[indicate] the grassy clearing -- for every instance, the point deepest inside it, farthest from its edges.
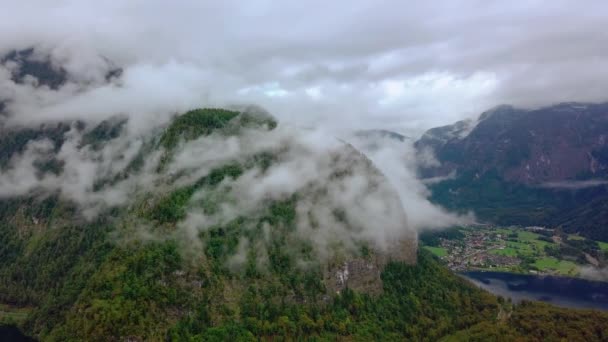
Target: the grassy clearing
(541, 244)
(575, 237)
(522, 248)
(438, 251)
(561, 266)
(504, 231)
(508, 251)
(603, 246)
(9, 314)
(527, 236)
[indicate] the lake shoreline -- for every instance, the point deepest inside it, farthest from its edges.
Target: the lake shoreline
(536, 275)
(557, 290)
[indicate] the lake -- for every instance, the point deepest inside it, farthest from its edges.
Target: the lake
(559, 291)
(13, 334)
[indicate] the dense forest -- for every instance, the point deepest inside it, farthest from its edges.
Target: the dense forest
(65, 278)
(509, 203)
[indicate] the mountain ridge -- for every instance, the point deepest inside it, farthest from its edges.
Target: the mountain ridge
(537, 166)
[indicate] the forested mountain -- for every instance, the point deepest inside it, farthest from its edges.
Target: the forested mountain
(198, 232)
(545, 167)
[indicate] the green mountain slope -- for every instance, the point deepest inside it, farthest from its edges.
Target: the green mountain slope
(194, 237)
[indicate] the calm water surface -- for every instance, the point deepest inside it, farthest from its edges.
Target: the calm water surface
(13, 334)
(559, 291)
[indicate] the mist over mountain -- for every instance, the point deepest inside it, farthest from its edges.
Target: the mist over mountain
(213, 193)
(251, 171)
(226, 225)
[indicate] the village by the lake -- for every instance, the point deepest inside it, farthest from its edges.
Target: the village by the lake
(526, 250)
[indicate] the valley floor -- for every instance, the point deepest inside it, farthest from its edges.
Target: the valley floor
(524, 250)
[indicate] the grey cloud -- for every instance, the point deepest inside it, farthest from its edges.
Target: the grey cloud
(525, 53)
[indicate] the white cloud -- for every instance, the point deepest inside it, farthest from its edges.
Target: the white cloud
(314, 92)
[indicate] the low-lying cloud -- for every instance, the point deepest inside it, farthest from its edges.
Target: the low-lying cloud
(388, 64)
(574, 185)
(398, 161)
(328, 176)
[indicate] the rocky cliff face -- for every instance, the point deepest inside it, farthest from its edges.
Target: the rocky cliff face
(362, 273)
(525, 166)
(563, 142)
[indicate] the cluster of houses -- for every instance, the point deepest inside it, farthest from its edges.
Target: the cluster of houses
(474, 251)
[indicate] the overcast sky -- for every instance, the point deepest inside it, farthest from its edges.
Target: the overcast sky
(401, 65)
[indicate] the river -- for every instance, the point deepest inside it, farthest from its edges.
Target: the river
(559, 291)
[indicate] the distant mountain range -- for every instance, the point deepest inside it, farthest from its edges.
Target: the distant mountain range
(546, 166)
(381, 134)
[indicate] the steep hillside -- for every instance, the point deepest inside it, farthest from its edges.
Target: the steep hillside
(105, 235)
(535, 167)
